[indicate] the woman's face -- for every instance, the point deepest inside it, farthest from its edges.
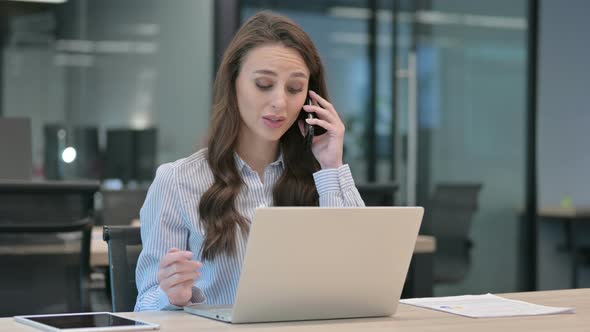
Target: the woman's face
(271, 88)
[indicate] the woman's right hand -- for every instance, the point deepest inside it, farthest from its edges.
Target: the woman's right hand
(177, 275)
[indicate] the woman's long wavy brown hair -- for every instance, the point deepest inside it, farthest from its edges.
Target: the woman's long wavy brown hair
(219, 217)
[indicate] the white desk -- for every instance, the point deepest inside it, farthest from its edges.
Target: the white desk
(407, 318)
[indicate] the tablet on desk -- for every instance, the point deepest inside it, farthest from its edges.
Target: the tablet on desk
(85, 322)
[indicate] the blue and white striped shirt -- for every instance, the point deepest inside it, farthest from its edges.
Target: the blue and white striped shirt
(170, 218)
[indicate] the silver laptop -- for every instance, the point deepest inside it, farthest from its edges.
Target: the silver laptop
(305, 263)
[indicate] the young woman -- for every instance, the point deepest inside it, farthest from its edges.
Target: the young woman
(195, 220)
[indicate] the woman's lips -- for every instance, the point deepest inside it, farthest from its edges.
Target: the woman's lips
(273, 122)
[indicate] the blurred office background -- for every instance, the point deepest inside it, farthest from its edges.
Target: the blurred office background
(439, 98)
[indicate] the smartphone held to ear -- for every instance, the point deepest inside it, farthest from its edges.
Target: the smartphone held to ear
(310, 130)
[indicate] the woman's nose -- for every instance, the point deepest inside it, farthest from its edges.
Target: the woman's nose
(279, 100)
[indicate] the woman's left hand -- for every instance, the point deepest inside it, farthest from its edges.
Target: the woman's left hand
(326, 148)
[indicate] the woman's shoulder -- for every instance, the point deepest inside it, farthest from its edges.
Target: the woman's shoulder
(197, 159)
(192, 168)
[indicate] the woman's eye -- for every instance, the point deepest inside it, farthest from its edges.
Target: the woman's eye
(294, 90)
(264, 86)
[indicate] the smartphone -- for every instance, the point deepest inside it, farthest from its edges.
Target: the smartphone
(310, 130)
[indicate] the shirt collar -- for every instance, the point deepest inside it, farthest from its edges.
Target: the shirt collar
(279, 161)
(240, 163)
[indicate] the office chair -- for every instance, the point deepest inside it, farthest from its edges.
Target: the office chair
(46, 267)
(45, 229)
(579, 249)
(582, 259)
(124, 249)
(378, 194)
(448, 217)
(121, 207)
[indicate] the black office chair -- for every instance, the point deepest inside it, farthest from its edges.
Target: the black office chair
(121, 207)
(124, 249)
(378, 193)
(448, 218)
(46, 269)
(582, 259)
(576, 230)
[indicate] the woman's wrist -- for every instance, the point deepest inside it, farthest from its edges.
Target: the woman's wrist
(329, 165)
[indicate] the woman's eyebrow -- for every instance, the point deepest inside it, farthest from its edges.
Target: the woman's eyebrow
(272, 73)
(298, 74)
(265, 72)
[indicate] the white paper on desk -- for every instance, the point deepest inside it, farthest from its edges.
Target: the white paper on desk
(488, 305)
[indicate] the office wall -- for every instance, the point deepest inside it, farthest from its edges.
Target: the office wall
(475, 129)
(564, 111)
(149, 63)
(564, 122)
(168, 84)
(32, 86)
(563, 160)
(164, 81)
